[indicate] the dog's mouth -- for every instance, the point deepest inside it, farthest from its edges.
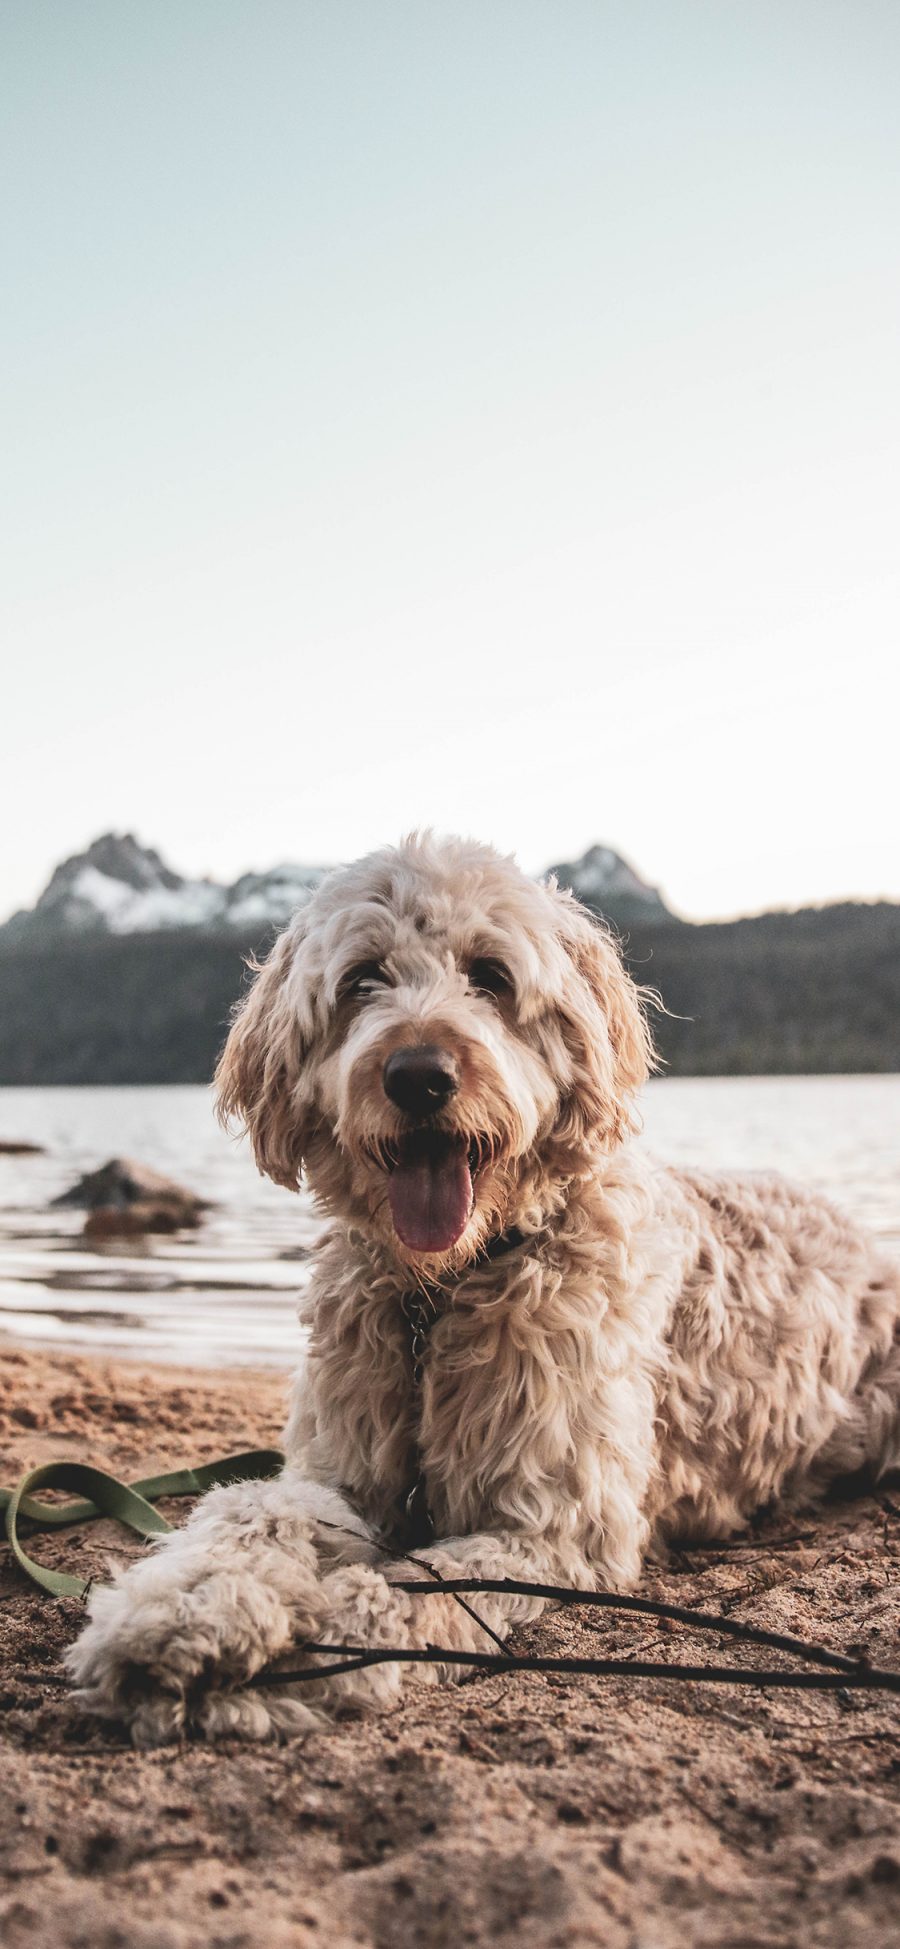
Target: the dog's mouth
(431, 1188)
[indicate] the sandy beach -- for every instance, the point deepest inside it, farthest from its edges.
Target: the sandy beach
(529, 1810)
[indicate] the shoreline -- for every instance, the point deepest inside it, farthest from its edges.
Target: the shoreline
(122, 1412)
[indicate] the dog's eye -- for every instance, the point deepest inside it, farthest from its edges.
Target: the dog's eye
(363, 980)
(490, 978)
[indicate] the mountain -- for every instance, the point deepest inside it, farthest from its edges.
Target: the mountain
(119, 886)
(604, 881)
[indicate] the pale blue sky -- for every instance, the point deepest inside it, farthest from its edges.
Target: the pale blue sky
(478, 414)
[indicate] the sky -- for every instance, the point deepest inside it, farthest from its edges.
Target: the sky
(480, 415)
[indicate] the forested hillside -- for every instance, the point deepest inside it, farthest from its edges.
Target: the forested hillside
(812, 991)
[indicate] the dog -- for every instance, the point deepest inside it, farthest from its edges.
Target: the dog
(533, 1351)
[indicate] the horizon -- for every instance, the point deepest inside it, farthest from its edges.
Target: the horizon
(307, 863)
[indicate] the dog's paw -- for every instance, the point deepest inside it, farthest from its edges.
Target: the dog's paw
(160, 1717)
(256, 1715)
(202, 1613)
(361, 1611)
(156, 1646)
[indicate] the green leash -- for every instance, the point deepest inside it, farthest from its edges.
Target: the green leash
(105, 1495)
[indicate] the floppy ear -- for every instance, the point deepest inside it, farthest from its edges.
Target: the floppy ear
(259, 1073)
(605, 1030)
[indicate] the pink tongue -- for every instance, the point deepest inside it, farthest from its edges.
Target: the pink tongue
(430, 1193)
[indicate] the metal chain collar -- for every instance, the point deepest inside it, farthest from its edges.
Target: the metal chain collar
(420, 1310)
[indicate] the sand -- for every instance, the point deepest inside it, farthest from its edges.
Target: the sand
(527, 1810)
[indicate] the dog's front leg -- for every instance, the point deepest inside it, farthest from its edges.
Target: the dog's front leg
(365, 1607)
(212, 1603)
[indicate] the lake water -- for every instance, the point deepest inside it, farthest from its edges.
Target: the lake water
(228, 1292)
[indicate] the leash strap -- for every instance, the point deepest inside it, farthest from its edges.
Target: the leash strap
(104, 1495)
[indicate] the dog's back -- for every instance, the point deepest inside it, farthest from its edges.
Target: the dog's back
(784, 1360)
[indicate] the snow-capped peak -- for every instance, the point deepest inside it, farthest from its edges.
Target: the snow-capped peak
(119, 886)
(606, 882)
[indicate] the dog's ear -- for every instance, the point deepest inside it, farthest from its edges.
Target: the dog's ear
(605, 1030)
(259, 1077)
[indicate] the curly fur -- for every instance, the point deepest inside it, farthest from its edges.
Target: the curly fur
(660, 1355)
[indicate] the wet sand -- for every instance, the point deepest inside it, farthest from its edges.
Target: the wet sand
(634, 1814)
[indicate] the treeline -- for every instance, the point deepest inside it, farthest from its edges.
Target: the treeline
(810, 993)
(816, 991)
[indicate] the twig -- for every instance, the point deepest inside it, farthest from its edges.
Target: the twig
(723, 1544)
(648, 1607)
(404, 1556)
(354, 1658)
(843, 1673)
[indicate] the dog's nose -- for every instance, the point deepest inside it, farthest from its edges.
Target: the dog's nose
(420, 1080)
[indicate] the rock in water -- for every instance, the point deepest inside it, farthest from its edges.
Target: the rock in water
(133, 1221)
(125, 1198)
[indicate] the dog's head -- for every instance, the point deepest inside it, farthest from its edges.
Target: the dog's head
(439, 1041)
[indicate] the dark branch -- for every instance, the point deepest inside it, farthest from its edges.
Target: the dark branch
(646, 1607)
(354, 1658)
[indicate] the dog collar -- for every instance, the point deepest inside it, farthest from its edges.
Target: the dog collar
(421, 1305)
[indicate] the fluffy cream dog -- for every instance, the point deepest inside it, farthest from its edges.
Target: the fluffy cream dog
(618, 1351)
